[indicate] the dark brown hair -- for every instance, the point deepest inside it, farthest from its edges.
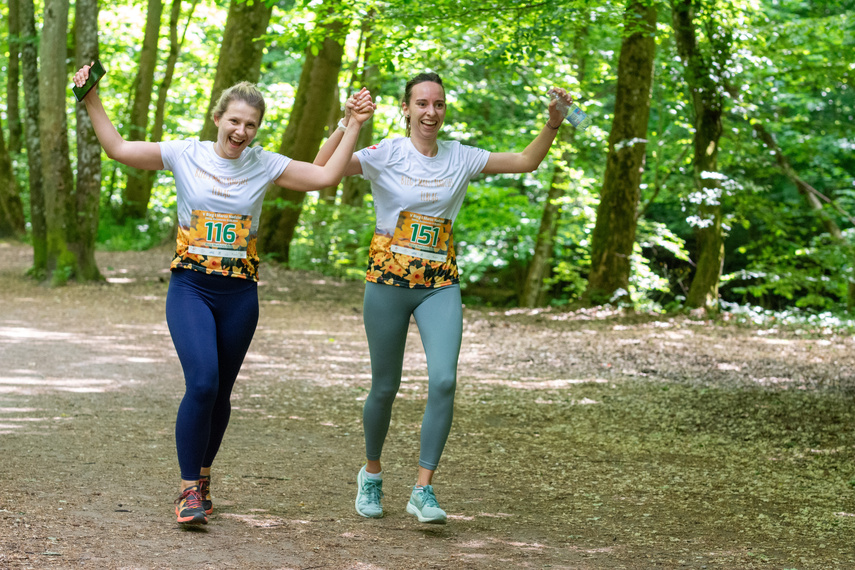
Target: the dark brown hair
(408, 90)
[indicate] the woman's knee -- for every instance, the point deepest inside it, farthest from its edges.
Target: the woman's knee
(383, 395)
(442, 385)
(203, 389)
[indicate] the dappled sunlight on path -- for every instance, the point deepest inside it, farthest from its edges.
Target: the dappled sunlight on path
(586, 440)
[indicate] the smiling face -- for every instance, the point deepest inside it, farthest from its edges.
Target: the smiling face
(236, 128)
(426, 110)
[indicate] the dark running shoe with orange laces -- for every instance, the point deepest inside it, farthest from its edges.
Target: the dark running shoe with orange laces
(205, 493)
(188, 507)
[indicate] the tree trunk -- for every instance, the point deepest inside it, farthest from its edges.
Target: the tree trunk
(614, 233)
(541, 261)
(13, 113)
(30, 68)
(61, 263)
(354, 188)
(328, 194)
(707, 104)
(83, 232)
(240, 53)
(533, 293)
(137, 193)
(11, 210)
(163, 90)
(303, 136)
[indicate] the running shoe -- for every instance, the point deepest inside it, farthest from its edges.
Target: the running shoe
(188, 507)
(423, 504)
(368, 495)
(205, 493)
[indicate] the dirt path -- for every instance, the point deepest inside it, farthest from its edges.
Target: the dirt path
(580, 441)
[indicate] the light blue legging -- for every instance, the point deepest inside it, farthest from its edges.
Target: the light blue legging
(439, 316)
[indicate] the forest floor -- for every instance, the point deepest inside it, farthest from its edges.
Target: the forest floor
(582, 440)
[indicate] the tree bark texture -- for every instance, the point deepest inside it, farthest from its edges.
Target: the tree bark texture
(175, 45)
(137, 192)
(11, 209)
(83, 232)
(61, 263)
(541, 261)
(614, 233)
(302, 138)
(30, 68)
(328, 194)
(240, 53)
(707, 105)
(13, 112)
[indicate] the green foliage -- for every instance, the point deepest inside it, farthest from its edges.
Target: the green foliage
(787, 64)
(332, 240)
(813, 277)
(656, 275)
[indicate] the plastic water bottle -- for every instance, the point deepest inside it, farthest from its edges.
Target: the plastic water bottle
(573, 113)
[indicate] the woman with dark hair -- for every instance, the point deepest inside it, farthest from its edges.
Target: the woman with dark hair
(418, 184)
(212, 301)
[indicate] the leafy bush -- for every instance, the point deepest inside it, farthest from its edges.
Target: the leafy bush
(816, 277)
(333, 239)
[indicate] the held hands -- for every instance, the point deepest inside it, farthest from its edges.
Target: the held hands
(359, 107)
(558, 106)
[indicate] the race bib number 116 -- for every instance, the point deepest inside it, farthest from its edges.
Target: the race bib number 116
(219, 235)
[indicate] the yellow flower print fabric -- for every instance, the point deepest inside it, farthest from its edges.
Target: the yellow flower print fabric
(389, 268)
(416, 200)
(219, 205)
(217, 243)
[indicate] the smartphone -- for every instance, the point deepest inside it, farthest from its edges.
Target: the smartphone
(96, 72)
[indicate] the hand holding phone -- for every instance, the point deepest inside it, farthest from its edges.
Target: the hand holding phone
(96, 72)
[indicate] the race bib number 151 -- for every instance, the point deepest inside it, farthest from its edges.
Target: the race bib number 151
(219, 235)
(422, 236)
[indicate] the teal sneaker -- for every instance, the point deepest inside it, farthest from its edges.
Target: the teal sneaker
(423, 504)
(368, 495)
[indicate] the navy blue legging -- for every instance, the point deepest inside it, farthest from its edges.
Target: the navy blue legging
(439, 316)
(211, 319)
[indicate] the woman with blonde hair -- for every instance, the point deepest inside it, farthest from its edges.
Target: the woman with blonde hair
(212, 301)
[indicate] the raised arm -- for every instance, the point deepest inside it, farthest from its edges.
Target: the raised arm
(360, 99)
(305, 177)
(530, 158)
(137, 154)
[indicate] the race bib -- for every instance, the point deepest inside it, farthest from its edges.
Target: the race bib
(219, 235)
(425, 237)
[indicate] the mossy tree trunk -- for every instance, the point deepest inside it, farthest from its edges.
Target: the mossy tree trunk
(136, 195)
(303, 135)
(30, 68)
(614, 233)
(240, 53)
(706, 97)
(60, 262)
(533, 292)
(83, 231)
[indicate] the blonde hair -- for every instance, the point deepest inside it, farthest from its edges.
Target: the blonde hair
(244, 91)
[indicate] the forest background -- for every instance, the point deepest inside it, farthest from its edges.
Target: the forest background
(718, 174)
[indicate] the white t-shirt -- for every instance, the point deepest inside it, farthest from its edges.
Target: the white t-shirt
(219, 205)
(416, 199)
